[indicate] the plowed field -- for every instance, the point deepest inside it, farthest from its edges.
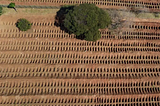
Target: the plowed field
(46, 66)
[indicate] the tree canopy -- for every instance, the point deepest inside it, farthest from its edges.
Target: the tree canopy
(11, 5)
(84, 20)
(23, 24)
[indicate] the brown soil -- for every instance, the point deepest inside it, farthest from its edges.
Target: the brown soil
(30, 65)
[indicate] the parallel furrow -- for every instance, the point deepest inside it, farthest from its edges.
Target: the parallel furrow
(99, 46)
(77, 58)
(132, 100)
(149, 32)
(78, 87)
(80, 72)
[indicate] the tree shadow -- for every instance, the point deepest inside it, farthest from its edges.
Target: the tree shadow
(16, 24)
(15, 9)
(60, 16)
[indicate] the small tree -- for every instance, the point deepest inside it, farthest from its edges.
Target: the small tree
(23, 24)
(12, 5)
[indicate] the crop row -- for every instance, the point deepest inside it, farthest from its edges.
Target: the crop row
(99, 46)
(70, 87)
(140, 100)
(63, 72)
(69, 58)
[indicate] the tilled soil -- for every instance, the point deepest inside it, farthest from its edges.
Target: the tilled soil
(47, 66)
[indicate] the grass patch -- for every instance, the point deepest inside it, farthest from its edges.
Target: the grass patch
(7, 11)
(33, 11)
(40, 11)
(143, 15)
(157, 15)
(146, 15)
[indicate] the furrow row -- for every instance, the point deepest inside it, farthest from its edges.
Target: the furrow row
(63, 100)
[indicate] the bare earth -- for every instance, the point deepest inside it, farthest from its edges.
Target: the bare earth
(47, 66)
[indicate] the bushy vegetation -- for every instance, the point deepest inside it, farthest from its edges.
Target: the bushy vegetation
(84, 20)
(23, 24)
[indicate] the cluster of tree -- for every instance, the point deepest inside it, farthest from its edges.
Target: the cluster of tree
(22, 24)
(84, 20)
(11, 5)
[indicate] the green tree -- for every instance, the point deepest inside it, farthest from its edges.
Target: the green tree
(12, 5)
(1, 10)
(23, 24)
(84, 21)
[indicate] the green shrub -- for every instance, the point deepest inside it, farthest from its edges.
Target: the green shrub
(23, 24)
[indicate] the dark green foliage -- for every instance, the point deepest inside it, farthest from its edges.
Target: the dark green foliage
(85, 20)
(1, 10)
(92, 35)
(23, 24)
(11, 5)
(61, 14)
